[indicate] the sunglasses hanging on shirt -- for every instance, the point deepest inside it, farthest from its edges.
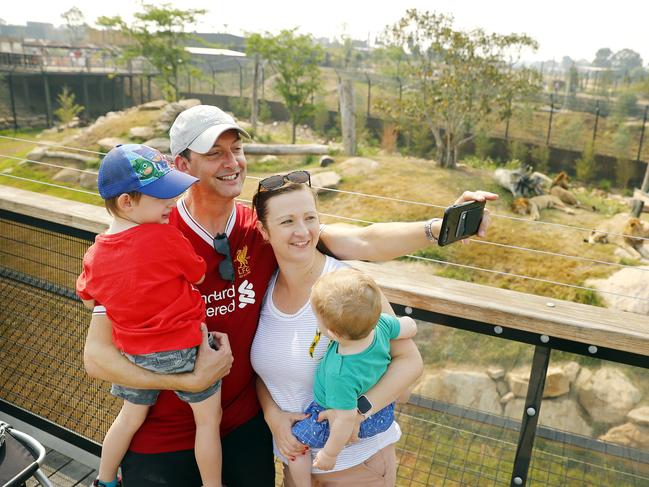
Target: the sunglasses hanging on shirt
(222, 246)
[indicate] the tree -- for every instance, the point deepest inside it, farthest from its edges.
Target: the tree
(603, 58)
(626, 60)
(158, 34)
(456, 81)
(254, 48)
(68, 108)
(295, 58)
(76, 24)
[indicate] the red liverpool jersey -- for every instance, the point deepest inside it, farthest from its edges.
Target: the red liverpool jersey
(232, 308)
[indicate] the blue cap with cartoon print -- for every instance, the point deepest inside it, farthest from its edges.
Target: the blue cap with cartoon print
(137, 167)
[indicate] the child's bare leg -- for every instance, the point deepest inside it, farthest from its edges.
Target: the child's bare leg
(118, 438)
(207, 446)
(300, 470)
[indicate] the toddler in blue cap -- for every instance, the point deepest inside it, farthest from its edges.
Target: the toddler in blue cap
(141, 274)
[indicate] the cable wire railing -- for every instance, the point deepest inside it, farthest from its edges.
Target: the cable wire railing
(420, 258)
(456, 449)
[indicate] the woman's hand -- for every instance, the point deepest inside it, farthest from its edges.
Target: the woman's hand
(211, 365)
(280, 424)
(479, 196)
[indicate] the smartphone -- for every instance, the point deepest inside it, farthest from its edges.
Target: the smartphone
(461, 221)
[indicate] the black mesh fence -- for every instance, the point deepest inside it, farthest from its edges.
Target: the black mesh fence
(43, 327)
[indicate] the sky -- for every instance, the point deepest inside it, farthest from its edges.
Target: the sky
(562, 27)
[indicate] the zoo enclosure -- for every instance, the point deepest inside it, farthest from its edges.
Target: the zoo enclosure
(42, 381)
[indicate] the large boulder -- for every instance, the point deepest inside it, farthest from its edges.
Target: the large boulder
(141, 133)
(465, 388)
(67, 176)
(169, 113)
(608, 395)
(69, 159)
(153, 105)
(639, 416)
(108, 143)
(326, 161)
(159, 143)
(325, 179)
(557, 382)
(188, 103)
(358, 166)
(562, 413)
(628, 434)
(88, 180)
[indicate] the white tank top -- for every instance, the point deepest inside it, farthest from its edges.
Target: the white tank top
(280, 356)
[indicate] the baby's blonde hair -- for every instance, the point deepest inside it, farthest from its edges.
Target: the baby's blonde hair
(348, 302)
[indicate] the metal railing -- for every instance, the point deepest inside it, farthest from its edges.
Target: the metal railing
(42, 381)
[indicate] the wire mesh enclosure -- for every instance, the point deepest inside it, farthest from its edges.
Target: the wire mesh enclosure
(43, 327)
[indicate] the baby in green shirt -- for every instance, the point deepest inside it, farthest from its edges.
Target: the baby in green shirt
(347, 305)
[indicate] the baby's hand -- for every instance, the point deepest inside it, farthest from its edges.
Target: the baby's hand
(324, 461)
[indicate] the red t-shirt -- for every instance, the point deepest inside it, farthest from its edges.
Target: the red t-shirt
(231, 308)
(143, 277)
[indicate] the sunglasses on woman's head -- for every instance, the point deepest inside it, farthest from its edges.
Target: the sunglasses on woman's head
(222, 246)
(278, 180)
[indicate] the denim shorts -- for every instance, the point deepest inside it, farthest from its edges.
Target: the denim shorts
(171, 362)
(309, 432)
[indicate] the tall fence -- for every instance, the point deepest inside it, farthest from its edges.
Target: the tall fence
(559, 119)
(478, 435)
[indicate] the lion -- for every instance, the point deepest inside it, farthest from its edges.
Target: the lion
(562, 180)
(533, 206)
(561, 189)
(628, 233)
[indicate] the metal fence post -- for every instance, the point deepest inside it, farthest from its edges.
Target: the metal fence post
(596, 121)
(530, 415)
(547, 141)
(369, 93)
(13, 100)
(644, 122)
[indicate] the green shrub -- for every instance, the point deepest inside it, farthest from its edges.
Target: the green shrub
(604, 184)
(541, 157)
(624, 169)
(320, 118)
(240, 107)
(626, 105)
(483, 146)
(68, 108)
(585, 165)
(518, 150)
(265, 113)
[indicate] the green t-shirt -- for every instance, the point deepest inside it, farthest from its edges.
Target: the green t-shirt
(340, 379)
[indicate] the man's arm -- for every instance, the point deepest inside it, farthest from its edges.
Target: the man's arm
(103, 361)
(386, 241)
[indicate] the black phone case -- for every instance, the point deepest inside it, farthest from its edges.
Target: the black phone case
(460, 221)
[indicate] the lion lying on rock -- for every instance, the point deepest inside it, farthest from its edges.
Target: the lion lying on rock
(533, 206)
(626, 232)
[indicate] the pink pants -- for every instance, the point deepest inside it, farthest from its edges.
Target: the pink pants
(380, 470)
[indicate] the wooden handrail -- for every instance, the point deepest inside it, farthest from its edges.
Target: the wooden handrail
(591, 325)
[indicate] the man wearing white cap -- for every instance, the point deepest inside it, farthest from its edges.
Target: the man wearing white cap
(206, 143)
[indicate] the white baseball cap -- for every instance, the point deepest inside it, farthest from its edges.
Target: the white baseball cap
(198, 127)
